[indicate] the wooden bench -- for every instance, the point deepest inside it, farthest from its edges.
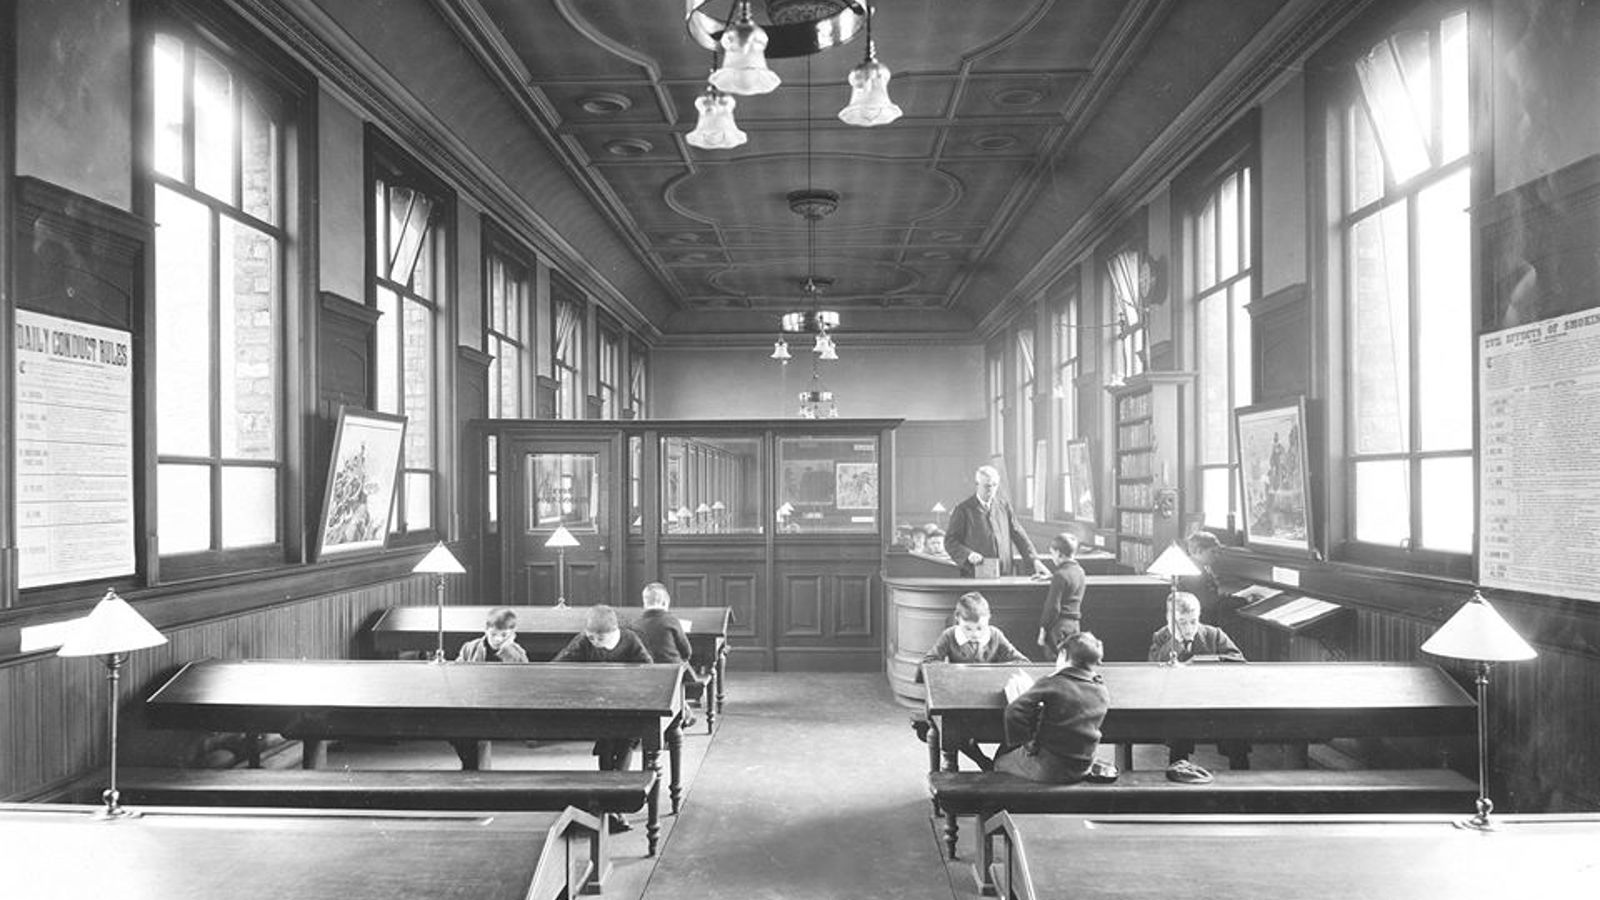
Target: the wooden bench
(982, 794)
(595, 793)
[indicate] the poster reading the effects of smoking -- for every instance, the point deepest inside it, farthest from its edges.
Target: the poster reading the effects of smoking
(1539, 465)
(74, 429)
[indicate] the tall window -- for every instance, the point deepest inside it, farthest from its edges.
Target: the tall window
(568, 347)
(1025, 395)
(1064, 349)
(609, 376)
(1218, 235)
(508, 296)
(638, 376)
(997, 401)
(1403, 232)
(408, 285)
(217, 179)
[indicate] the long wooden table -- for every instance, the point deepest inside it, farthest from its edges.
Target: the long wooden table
(1265, 702)
(544, 630)
(54, 852)
(317, 700)
(1388, 857)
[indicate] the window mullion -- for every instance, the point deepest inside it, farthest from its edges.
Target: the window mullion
(214, 353)
(188, 113)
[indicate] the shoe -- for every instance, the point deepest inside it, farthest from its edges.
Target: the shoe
(1186, 772)
(616, 824)
(1101, 773)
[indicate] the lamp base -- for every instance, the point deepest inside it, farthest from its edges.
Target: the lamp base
(1477, 823)
(113, 810)
(438, 657)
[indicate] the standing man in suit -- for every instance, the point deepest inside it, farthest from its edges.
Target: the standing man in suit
(984, 526)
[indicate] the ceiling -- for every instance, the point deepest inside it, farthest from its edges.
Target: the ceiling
(1019, 115)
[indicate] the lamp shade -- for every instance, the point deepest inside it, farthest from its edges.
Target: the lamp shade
(1476, 632)
(439, 561)
(938, 507)
(869, 95)
(111, 627)
(744, 58)
(561, 539)
(715, 129)
(1173, 563)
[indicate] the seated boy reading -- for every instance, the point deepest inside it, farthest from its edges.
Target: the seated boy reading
(498, 644)
(662, 635)
(973, 640)
(603, 641)
(1053, 724)
(1181, 640)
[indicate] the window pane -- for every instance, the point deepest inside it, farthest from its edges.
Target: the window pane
(388, 357)
(1448, 504)
(167, 105)
(1396, 80)
(1380, 333)
(183, 520)
(827, 484)
(716, 481)
(1454, 111)
(1383, 502)
(259, 156)
(1228, 225)
(249, 506)
(1444, 326)
(1206, 251)
(563, 489)
(422, 277)
(418, 378)
(249, 333)
(1366, 164)
(419, 500)
(1215, 410)
(213, 127)
(1215, 490)
(183, 324)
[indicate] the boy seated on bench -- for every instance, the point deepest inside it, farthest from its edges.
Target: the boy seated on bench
(662, 635)
(1053, 724)
(973, 640)
(1193, 639)
(498, 644)
(603, 641)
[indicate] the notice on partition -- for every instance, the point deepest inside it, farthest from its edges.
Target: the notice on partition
(74, 431)
(1539, 471)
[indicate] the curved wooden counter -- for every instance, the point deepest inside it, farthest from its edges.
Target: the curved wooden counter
(1122, 610)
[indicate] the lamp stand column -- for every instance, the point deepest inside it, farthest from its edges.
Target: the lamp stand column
(438, 650)
(1485, 805)
(113, 799)
(561, 576)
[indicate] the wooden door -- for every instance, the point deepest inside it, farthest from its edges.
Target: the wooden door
(568, 482)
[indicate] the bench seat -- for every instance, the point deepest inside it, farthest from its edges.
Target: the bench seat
(983, 794)
(498, 790)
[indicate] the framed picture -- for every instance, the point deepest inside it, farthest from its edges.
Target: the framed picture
(361, 482)
(1274, 474)
(1080, 482)
(856, 485)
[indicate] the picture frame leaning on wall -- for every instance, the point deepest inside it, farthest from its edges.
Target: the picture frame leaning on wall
(1274, 474)
(359, 496)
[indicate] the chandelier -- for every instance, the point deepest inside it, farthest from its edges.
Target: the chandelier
(795, 28)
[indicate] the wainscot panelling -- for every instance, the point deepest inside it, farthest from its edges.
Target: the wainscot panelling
(54, 710)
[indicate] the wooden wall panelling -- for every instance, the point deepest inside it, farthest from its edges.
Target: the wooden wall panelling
(344, 378)
(800, 606)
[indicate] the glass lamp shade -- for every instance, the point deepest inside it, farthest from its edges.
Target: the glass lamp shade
(1476, 632)
(780, 351)
(1173, 563)
(869, 96)
(112, 626)
(938, 507)
(715, 129)
(439, 561)
(744, 59)
(561, 539)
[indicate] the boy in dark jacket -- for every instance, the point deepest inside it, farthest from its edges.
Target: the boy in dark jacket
(1053, 725)
(602, 641)
(662, 634)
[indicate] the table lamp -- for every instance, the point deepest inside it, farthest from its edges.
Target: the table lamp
(439, 562)
(1173, 564)
(111, 629)
(561, 539)
(1477, 634)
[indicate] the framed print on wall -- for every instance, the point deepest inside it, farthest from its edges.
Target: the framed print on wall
(361, 482)
(1274, 474)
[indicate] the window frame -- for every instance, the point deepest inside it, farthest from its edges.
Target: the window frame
(500, 248)
(1066, 363)
(385, 159)
(609, 341)
(568, 370)
(238, 46)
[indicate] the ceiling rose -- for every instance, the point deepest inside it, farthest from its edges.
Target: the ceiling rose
(604, 103)
(813, 203)
(788, 12)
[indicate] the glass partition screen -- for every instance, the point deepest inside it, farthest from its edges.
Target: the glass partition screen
(710, 485)
(827, 485)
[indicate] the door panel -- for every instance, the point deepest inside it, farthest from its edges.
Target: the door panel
(563, 483)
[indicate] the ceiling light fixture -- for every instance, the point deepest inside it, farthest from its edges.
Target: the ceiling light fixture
(794, 28)
(715, 129)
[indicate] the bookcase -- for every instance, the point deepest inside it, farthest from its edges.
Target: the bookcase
(1149, 414)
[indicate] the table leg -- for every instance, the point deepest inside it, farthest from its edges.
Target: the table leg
(313, 753)
(950, 834)
(674, 761)
(722, 677)
(599, 859)
(952, 760)
(252, 750)
(708, 695)
(933, 745)
(652, 826)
